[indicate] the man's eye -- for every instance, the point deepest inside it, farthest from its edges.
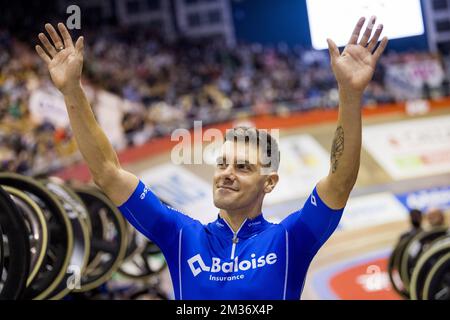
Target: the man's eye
(221, 165)
(242, 166)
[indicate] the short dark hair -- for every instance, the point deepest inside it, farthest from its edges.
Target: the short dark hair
(264, 141)
(415, 216)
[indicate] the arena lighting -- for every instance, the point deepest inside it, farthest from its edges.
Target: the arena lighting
(334, 18)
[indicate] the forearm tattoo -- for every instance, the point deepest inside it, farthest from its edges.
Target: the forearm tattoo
(337, 149)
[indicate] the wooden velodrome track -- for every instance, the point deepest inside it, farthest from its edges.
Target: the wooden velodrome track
(343, 245)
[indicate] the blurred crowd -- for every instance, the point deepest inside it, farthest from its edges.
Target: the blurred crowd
(210, 82)
(25, 144)
(168, 86)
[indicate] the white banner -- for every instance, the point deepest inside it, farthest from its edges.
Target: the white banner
(183, 190)
(48, 105)
(303, 163)
(108, 110)
(371, 210)
(412, 148)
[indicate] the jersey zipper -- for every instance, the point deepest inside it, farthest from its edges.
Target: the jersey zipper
(235, 239)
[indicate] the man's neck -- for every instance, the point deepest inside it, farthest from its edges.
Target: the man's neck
(236, 218)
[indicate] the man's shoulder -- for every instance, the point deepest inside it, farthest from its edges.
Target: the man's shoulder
(184, 217)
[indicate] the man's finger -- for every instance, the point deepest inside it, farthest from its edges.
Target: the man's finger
(356, 31)
(368, 32)
(373, 42)
(377, 54)
(47, 45)
(79, 45)
(43, 54)
(65, 34)
(54, 35)
(333, 49)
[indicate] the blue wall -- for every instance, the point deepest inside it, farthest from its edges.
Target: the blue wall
(273, 21)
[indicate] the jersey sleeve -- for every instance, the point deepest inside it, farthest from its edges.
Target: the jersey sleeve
(155, 220)
(310, 227)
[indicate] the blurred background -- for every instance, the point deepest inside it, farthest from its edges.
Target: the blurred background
(152, 66)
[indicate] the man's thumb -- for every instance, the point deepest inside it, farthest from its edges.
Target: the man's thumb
(79, 45)
(333, 49)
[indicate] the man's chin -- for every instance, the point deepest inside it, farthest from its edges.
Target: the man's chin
(223, 204)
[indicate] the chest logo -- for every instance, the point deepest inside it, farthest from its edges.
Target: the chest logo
(197, 265)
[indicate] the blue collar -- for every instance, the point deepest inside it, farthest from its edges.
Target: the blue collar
(248, 228)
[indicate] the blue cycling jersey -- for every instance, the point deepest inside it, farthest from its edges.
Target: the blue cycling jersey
(261, 260)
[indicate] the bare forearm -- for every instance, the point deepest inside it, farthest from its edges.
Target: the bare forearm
(346, 147)
(353, 69)
(94, 146)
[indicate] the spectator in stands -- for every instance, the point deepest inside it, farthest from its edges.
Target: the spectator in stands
(415, 219)
(435, 217)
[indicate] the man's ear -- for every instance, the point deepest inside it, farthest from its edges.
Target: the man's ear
(271, 182)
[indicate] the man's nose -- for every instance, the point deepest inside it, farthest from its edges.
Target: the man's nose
(228, 173)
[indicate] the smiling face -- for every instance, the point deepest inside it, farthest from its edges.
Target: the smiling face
(238, 180)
